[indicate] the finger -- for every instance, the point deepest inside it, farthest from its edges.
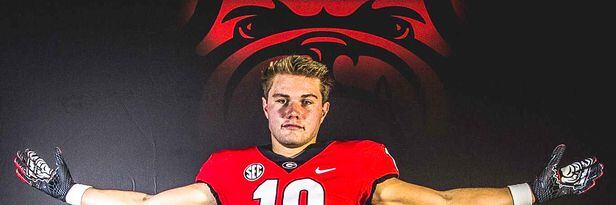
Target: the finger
(18, 154)
(19, 165)
(21, 177)
(26, 159)
(59, 159)
(588, 162)
(19, 169)
(28, 152)
(557, 154)
(24, 171)
(61, 168)
(23, 168)
(21, 156)
(595, 173)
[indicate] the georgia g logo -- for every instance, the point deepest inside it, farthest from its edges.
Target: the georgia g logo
(381, 52)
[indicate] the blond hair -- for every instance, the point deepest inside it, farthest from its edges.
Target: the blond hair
(298, 65)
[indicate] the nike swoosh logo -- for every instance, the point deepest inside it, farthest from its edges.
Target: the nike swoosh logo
(321, 171)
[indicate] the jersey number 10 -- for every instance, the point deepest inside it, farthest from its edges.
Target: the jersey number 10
(266, 192)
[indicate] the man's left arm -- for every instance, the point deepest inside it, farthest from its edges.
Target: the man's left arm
(573, 179)
(396, 191)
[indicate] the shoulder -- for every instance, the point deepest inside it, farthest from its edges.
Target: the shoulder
(231, 154)
(358, 148)
(358, 144)
(228, 159)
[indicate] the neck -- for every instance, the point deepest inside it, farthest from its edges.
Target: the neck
(290, 152)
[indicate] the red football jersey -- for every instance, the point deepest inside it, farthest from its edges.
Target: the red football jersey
(338, 172)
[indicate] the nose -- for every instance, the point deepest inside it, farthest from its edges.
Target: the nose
(294, 110)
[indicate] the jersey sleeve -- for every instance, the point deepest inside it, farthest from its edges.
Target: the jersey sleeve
(210, 173)
(380, 163)
(205, 172)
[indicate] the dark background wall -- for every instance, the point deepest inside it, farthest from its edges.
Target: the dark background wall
(111, 84)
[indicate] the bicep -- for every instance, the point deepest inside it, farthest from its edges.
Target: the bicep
(396, 191)
(193, 194)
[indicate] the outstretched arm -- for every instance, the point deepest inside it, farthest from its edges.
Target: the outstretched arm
(194, 194)
(573, 179)
(58, 183)
(396, 191)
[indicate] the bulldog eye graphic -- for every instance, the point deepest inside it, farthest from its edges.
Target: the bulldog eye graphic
(245, 30)
(400, 21)
(402, 30)
(255, 22)
(248, 17)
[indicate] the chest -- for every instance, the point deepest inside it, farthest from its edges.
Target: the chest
(321, 180)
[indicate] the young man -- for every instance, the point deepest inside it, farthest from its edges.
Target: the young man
(296, 169)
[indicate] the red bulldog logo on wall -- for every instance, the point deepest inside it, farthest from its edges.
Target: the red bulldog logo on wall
(381, 52)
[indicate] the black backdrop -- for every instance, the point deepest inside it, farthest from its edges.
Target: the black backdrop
(110, 83)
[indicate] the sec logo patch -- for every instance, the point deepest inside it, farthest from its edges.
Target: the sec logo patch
(254, 171)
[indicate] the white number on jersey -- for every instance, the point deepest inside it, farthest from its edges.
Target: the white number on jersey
(266, 192)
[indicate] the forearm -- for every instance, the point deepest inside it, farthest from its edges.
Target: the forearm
(194, 194)
(94, 196)
(478, 196)
(397, 192)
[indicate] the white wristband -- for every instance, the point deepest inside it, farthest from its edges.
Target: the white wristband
(75, 193)
(521, 194)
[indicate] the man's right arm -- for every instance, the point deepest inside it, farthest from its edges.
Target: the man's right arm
(58, 183)
(193, 194)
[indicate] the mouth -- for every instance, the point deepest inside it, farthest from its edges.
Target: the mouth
(290, 126)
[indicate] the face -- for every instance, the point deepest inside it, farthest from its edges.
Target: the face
(294, 110)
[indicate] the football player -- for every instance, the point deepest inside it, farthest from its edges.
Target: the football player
(295, 169)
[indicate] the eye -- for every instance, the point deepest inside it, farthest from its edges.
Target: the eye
(245, 28)
(247, 17)
(399, 22)
(281, 101)
(307, 102)
(402, 29)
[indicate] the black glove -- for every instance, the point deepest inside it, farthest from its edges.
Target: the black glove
(575, 178)
(33, 170)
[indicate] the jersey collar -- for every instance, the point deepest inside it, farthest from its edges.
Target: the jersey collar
(286, 163)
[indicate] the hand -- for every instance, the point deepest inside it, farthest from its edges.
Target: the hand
(575, 178)
(33, 170)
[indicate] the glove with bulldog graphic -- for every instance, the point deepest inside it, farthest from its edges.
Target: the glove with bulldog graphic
(575, 178)
(58, 183)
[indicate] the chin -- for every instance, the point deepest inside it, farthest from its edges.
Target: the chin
(292, 141)
(292, 145)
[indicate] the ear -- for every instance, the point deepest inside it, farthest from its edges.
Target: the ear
(324, 110)
(264, 104)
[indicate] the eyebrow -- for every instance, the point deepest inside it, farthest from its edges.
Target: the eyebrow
(247, 10)
(287, 96)
(403, 11)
